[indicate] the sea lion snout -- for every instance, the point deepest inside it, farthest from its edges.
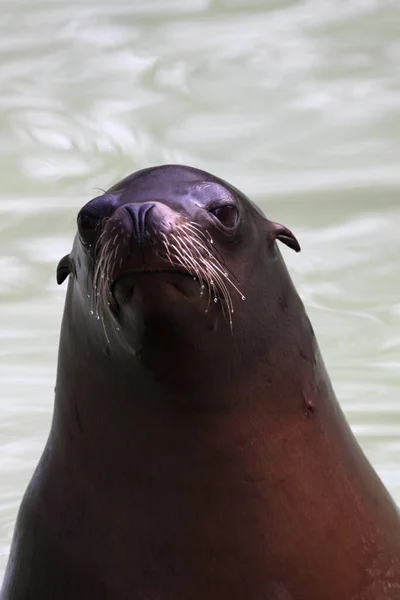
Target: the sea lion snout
(150, 219)
(138, 236)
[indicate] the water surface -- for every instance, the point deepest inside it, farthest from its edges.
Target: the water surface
(295, 102)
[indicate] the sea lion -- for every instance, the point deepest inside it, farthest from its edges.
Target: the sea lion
(197, 450)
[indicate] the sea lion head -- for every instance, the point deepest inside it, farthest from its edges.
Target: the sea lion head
(173, 259)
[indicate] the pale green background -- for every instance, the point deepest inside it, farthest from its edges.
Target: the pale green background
(295, 102)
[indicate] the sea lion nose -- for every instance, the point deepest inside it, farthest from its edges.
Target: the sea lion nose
(139, 213)
(151, 216)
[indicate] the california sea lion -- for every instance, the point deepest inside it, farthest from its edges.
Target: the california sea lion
(197, 450)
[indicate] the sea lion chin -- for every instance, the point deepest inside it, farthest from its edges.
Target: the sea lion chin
(197, 449)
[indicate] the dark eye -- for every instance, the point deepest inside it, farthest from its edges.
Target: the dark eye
(87, 223)
(227, 214)
(91, 216)
(87, 220)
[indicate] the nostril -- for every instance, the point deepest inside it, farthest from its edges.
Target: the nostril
(132, 210)
(138, 214)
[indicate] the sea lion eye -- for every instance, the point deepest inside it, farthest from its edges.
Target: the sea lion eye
(227, 214)
(88, 222)
(91, 216)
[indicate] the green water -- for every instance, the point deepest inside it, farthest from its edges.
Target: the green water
(295, 102)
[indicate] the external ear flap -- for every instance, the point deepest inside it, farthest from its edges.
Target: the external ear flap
(64, 269)
(283, 234)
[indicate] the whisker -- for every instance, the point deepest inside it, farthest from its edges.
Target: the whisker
(188, 247)
(214, 250)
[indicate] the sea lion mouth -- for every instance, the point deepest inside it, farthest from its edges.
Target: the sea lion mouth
(151, 271)
(169, 276)
(155, 286)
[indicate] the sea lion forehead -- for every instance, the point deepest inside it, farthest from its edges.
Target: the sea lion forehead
(176, 184)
